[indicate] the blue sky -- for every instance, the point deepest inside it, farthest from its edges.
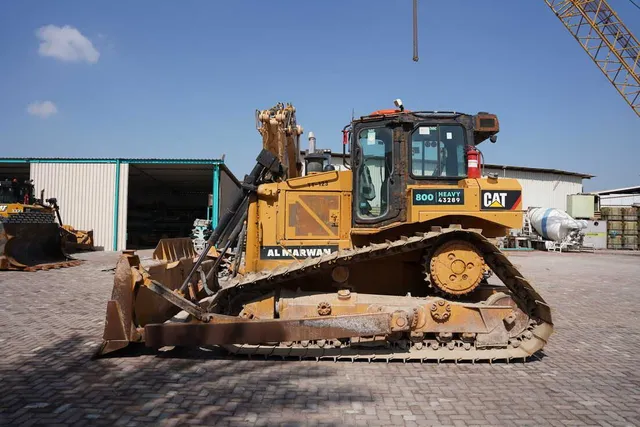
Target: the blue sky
(183, 79)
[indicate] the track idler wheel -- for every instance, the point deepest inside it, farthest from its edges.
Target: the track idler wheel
(456, 268)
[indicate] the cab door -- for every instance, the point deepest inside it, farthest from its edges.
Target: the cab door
(378, 181)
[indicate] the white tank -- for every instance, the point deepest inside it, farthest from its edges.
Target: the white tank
(553, 224)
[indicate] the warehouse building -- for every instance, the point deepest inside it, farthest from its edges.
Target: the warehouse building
(628, 196)
(541, 187)
(129, 203)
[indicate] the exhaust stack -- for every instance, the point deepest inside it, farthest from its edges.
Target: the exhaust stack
(312, 143)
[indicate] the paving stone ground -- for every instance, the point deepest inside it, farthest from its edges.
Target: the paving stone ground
(51, 322)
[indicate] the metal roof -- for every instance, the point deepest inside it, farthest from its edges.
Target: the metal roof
(135, 161)
(539, 170)
(625, 190)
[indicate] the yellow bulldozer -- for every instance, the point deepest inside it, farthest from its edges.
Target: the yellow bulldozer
(30, 238)
(387, 258)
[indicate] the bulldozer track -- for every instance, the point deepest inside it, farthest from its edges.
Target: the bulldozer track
(532, 339)
(38, 267)
(30, 218)
(53, 266)
(454, 351)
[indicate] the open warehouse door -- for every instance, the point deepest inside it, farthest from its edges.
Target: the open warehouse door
(18, 170)
(129, 203)
(165, 199)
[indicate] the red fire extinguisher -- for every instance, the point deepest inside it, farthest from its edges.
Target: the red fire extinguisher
(473, 162)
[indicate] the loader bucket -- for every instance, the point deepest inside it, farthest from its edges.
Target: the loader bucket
(32, 246)
(133, 305)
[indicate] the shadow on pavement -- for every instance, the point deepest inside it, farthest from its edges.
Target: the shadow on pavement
(61, 384)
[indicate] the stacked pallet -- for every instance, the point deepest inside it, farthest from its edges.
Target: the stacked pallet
(638, 226)
(622, 226)
(630, 228)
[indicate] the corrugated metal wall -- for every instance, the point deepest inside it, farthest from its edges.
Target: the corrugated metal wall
(543, 189)
(86, 194)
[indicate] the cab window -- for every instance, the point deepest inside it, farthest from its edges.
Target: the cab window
(374, 170)
(438, 151)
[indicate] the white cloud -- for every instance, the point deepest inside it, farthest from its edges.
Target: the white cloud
(67, 44)
(42, 109)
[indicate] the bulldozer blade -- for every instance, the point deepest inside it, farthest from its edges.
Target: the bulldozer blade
(174, 249)
(133, 305)
(119, 326)
(32, 246)
(77, 239)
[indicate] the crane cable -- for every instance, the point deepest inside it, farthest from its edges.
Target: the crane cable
(634, 3)
(415, 30)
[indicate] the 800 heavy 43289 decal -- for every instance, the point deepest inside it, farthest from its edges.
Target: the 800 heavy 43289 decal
(437, 197)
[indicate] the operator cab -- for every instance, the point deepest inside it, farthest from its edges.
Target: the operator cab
(395, 148)
(12, 191)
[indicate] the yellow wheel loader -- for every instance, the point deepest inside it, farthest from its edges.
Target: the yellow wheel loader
(30, 238)
(388, 259)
